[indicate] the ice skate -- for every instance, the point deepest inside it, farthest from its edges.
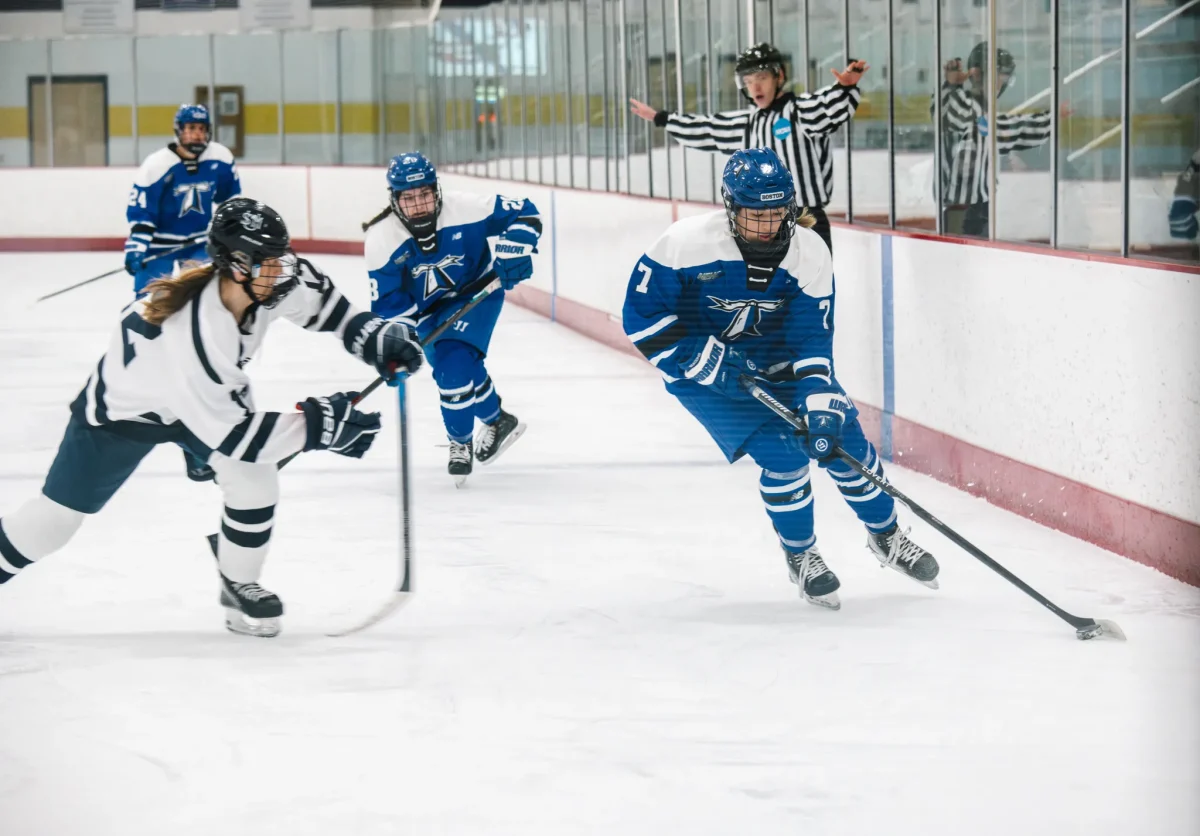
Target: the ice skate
(497, 437)
(460, 462)
(197, 470)
(894, 549)
(249, 609)
(818, 585)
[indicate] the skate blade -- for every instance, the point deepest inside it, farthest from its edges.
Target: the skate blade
(504, 445)
(829, 602)
(1101, 627)
(933, 584)
(460, 481)
(264, 628)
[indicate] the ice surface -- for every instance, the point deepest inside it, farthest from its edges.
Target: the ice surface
(603, 641)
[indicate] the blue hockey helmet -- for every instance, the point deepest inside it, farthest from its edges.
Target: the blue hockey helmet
(194, 114)
(408, 171)
(756, 180)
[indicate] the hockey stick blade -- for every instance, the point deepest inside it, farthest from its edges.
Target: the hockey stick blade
(393, 606)
(1085, 628)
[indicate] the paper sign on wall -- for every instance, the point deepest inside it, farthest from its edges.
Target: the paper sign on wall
(274, 14)
(98, 17)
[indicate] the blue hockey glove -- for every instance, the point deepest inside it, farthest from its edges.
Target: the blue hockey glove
(514, 261)
(1182, 219)
(134, 260)
(826, 415)
(334, 424)
(715, 364)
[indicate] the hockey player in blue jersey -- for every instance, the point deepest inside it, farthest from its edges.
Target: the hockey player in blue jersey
(421, 253)
(749, 291)
(173, 198)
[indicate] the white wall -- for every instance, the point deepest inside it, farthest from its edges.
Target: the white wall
(1086, 369)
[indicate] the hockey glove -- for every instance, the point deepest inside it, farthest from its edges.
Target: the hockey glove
(718, 365)
(334, 424)
(514, 256)
(826, 415)
(134, 260)
(391, 347)
(1182, 219)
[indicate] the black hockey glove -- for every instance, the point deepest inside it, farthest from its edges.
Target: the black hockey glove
(334, 424)
(391, 347)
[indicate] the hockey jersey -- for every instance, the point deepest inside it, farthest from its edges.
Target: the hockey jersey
(188, 372)
(405, 282)
(172, 200)
(694, 283)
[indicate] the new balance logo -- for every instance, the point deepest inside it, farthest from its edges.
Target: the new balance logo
(747, 315)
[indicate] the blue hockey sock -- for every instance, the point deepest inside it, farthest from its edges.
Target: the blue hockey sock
(456, 368)
(874, 508)
(789, 502)
(487, 402)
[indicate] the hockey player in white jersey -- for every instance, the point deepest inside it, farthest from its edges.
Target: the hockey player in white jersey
(173, 373)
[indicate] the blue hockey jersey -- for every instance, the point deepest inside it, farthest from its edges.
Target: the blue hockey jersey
(694, 286)
(172, 201)
(405, 282)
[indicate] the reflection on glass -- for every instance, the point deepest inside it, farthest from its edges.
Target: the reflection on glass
(1164, 189)
(913, 135)
(870, 177)
(1089, 153)
(310, 98)
(1024, 188)
(826, 41)
(247, 70)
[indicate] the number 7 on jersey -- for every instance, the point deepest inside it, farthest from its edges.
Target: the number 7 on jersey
(644, 284)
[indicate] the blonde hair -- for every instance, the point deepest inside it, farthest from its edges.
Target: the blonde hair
(806, 219)
(167, 296)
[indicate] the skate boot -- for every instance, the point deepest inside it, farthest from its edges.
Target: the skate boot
(249, 609)
(818, 585)
(894, 549)
(497, 437)
(197, 470)
(460, 462)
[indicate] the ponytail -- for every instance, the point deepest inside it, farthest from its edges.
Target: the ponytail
(167, 296)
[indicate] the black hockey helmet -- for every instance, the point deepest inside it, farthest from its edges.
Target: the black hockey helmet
(1005, 64)
(243, 236)
(761, 57)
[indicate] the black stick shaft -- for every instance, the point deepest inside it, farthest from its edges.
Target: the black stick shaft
(109, 273)
(406, 579)
(945, 530)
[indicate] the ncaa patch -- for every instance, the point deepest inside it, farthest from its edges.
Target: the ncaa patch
(782, 128)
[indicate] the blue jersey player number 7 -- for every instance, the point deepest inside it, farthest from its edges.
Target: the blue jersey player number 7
(749, 292)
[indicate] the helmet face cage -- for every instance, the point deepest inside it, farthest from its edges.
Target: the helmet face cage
(408, 171)
(1006, 65)
(283, 268)
(193, 115)
(757, 180)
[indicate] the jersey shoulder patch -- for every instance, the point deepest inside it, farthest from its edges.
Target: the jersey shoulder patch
(155, 167)
(383, 240)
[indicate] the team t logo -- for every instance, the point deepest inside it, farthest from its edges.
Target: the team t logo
(192, 197)
(747, 315)
(436, 277)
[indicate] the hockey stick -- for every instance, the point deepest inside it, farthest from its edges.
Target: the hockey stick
(1085, 628)
(490, 283)
(404, 589)
(120, 269)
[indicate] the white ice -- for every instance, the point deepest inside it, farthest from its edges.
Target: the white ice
(603, 639)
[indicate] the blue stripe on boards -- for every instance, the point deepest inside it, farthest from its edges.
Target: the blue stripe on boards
(889, 348)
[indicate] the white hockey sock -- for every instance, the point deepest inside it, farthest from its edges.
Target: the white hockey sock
(40, 527)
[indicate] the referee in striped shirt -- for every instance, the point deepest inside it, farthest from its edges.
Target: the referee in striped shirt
(797, 128)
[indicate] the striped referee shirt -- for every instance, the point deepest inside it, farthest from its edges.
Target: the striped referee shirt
(965, 157)
(797, 128)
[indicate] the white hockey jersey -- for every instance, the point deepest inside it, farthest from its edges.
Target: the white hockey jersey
(187, 374)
